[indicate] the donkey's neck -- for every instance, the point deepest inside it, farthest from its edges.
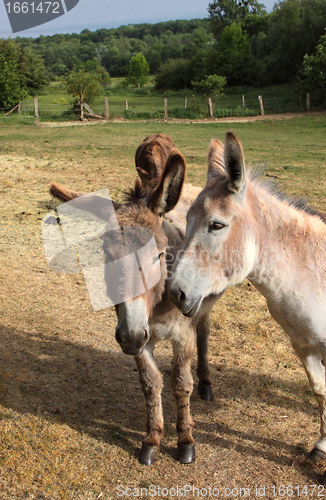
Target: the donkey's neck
(175, 238)
(290, 244)
(174, 224)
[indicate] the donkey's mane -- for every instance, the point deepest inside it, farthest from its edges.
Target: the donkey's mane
(300, 204)
(275, 190)
(136, 194)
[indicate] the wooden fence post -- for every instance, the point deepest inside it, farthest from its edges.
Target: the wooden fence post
(210, 108)
(36, 110)
(107, 109)
(308, 101)
(186, 103)
(126, 105)
(260, 99)
(165, 109)
(243, 101)
(19, 107)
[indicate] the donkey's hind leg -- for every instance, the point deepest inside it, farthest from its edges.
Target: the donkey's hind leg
(182, 385)
(312, 361)
(152, 385)
(203, 371)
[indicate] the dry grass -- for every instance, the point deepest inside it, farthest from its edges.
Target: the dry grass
(72, 414)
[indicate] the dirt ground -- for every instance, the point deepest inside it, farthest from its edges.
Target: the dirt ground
(72, 414)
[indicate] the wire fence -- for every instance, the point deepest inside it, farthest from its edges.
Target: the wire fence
(151, 107)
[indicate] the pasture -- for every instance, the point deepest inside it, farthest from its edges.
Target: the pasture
(72, 414)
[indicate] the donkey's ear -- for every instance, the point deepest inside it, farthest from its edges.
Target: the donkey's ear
(215, 159)
(234, 162)
(167, 194)
(143, 174)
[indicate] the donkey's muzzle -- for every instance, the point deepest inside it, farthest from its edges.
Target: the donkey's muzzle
(189, 307)
(132, 343)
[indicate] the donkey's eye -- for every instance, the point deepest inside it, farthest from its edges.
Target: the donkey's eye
(159, 256)
(215, 226)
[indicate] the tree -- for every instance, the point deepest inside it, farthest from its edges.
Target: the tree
(313, 70)
(21, 73)
(84, 86)
(31, 71)
(313, 22)
(294, 28)
(256, 28)
(234, 40)
(284, 38)
(225, 12)
(102, 55)
(94, 66)
(138, 70)
(11, 90)
(234, 59)
(154, 59)
(211, 87)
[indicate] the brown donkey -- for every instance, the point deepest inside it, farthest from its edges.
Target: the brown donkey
(151, 156)
(151, 317)
(240, 228)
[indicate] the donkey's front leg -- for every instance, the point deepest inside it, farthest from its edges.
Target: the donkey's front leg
(182, 385)
(203, 371)
(152, 385)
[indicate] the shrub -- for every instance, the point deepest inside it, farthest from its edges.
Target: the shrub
(175, 74)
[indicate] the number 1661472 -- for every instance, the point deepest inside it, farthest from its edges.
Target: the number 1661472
(33, 7)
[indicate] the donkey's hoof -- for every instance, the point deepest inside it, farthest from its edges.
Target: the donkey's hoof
(186, 453)
(148, 454)
(205, 392)
(316, 455)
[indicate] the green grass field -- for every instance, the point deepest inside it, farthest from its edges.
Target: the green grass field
(294, 149)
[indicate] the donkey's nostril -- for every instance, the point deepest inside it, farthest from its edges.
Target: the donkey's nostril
(146, 336)
(182, 297)
(177, 296)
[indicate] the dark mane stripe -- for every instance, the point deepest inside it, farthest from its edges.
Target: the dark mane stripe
(136, 194)
(300, 204)
(276, 190)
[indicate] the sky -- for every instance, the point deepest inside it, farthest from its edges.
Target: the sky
(97, 14)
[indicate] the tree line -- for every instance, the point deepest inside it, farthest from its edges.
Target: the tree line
(114, 48)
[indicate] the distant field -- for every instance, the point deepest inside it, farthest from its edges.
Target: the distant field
(72, 414)
(294, 149)
(55, 104)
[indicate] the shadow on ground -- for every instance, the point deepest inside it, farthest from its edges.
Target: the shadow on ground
(97, 392)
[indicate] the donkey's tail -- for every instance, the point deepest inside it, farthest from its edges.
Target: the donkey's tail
(92, 203)
(62, 193)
